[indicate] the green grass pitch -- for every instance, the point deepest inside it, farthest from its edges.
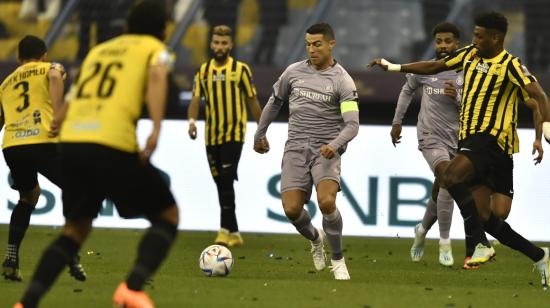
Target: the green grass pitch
(274, 270)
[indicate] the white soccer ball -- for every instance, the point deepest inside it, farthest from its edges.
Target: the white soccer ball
(216, 260)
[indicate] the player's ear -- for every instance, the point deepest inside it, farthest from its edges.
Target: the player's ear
(331, 44)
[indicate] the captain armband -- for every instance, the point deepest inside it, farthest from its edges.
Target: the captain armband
(348, 106)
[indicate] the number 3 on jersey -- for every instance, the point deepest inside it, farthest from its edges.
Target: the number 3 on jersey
(24, 95)
(106, 84)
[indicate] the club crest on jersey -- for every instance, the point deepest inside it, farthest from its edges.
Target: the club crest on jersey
(328, 88)
(482, 67)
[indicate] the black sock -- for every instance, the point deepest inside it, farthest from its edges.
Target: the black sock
(54, 259)
(19, 223)
(151, 252)
(473, 228)
(226, 196)
(502, 231)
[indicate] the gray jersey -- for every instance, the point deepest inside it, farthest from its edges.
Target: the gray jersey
(314, 99)
(438, 119)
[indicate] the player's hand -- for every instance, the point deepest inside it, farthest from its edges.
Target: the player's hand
(192, 131)
(262, 146)
(450, 89)
(55, 127)
(149, 148)
(395, 134)
(378, 62)
(327, 151)
(537, 148)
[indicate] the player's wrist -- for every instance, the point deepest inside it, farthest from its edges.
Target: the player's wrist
(191, 121)
(391, 66)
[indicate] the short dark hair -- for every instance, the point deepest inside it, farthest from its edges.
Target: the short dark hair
(147, 17)
(446, 27)
(321, 28)
(31, 47)
(222, 30)
(493, 21)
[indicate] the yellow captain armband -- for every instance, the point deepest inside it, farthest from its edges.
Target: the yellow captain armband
(348, 106)
(165, 58)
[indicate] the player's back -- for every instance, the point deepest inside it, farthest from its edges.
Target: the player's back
(26, 104)
(107, 99)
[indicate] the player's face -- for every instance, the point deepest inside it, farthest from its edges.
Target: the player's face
(221, 46)
(445, 43)
(319, 49)
(485, 42)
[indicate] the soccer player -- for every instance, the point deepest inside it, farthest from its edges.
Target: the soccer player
(226, 84)
(324, 117)
(101, 157)
(437, 132)
(31, 100)
(487, 133)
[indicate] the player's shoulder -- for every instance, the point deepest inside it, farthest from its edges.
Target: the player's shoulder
(297, 66)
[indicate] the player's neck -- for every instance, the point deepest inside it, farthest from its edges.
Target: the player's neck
(221, 63)
(495, 53)
(325, 65)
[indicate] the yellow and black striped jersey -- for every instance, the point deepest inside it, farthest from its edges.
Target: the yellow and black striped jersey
(26, 104)
(225, 90)
(490, 95)
(107, 99)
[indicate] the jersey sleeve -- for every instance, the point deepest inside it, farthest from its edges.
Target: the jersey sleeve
(348, 94)
(197, 91)
(247, 82)
(518, 73)
(281, 88)
(455, 60)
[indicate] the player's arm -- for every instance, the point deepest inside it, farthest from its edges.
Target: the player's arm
(157, 87)
(251, 95)
(421, 68)
(453, 61)
(56, 89)
(537, 94)
(281, 91)
(403, 102)
(193, 109)
(350, 114)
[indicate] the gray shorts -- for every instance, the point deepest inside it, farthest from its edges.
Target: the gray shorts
(303, 166)
(435, 155)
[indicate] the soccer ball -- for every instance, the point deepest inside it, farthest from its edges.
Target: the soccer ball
(216, 260)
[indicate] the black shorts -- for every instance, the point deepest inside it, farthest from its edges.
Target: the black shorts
(26, 161)
(224, 158)
(94, 172)
(493, 167)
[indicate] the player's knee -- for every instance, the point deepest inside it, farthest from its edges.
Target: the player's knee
(292, 211)
(327, 203)
(78, 230)
(450, 179)
(501, 213)
(30, 196)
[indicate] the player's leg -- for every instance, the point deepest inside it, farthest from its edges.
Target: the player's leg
(230, 154)
(49, 165)
(144, 192)
(476, 254)
(469, 164)
(296, 184)
(56, 256)
(332, 225)
(24, 175)
(501, 230)
(326, 177)
(214, 162)
(82, 198)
